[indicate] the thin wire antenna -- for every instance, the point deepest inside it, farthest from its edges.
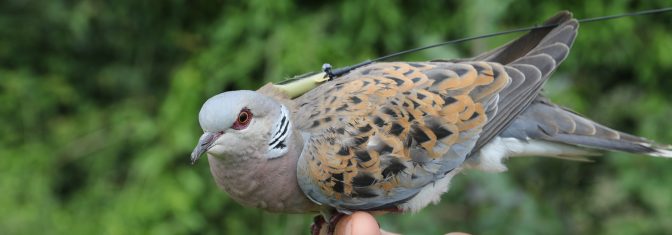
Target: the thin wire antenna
(333, 73)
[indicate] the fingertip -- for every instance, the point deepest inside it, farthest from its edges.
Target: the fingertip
(344, 226)
(359, 223)
(364, 224)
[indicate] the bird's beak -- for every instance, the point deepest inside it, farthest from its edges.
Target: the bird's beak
(204, 143)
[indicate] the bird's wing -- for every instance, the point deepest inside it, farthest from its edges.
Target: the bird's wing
(539, 51)
(522, 46)
(375, 137)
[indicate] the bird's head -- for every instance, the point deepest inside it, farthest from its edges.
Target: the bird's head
(242, 124)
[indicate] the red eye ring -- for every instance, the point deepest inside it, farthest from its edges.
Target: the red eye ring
(243, 120)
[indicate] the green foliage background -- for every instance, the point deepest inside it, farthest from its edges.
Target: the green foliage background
(99, 103)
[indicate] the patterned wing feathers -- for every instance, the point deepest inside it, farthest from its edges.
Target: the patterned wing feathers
(529, 62)
(376, 136)
(390, 126)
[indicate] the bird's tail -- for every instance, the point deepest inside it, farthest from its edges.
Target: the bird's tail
(549, 122)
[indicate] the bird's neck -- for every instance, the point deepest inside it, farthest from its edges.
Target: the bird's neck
(258, 181)
(281, 135)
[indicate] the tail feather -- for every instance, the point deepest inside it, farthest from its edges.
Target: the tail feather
(659, 150)
(546, 121)
(528, 117)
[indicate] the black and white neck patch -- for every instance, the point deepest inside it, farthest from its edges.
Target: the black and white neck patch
(277, 146)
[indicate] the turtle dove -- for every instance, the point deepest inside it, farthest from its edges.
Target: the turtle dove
(390, 136)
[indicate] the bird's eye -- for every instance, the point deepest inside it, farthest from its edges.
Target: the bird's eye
(244, 118)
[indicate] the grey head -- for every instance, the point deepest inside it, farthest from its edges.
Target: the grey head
(242, 124)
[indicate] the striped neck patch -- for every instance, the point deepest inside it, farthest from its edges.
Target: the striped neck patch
(277, 146)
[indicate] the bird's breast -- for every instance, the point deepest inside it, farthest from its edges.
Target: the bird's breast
(269, 184)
